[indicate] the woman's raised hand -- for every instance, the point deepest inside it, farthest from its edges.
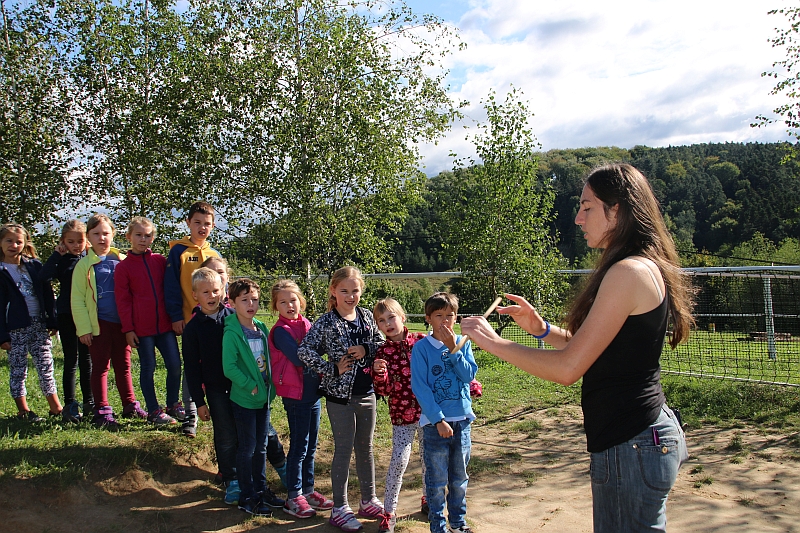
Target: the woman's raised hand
(524, 314)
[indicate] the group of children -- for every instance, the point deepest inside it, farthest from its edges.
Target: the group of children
(233, 366)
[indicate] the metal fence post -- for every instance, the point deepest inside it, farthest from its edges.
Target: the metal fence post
(769, 319)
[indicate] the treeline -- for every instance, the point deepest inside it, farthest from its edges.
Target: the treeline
(719, 200)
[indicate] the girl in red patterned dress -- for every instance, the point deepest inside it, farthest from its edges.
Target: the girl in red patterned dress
(391, 377)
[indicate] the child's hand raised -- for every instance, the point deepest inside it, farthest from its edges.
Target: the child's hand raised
(447, 336)
(379, 367)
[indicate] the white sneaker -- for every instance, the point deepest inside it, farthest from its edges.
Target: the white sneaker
(344, 519)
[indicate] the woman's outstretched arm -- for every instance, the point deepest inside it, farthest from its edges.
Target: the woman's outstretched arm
(625, 290)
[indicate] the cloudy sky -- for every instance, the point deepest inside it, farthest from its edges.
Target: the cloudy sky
(615, 72)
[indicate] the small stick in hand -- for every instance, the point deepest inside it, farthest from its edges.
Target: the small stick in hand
(465, 338)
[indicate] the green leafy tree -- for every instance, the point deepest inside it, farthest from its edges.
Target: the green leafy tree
(36, 156)
(787, 74)
(497, 228)
(126, 60)
(330, 162)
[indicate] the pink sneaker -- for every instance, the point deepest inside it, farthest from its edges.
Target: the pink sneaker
(371, 509)
(318, 501)
(298, 507)
(134, 410)
(344, 519)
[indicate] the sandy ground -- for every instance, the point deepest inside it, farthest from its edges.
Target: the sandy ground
(737, 480)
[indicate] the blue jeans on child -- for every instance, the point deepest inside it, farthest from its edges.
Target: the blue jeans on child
(251, 455)
(167, 344)
(446, 466)
(631, 481)
(225, 438)
(303, 418)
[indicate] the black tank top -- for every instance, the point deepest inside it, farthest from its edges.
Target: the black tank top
(621, 394)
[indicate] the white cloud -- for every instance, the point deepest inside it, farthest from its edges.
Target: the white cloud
(618, 73)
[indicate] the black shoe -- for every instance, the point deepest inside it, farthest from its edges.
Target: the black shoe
(269, 498)
(255, 507)
(72, 413)
(189, 426)
(29, 416)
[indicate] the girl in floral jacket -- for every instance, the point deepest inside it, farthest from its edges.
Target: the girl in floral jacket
(392, 378)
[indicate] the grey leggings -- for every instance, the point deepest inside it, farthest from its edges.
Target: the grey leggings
(353, 426)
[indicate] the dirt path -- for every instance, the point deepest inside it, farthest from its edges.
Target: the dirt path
(531, 479)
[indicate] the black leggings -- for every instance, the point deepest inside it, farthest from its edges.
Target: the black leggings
(76, 355)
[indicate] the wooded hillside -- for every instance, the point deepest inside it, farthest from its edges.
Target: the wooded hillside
(715, 197)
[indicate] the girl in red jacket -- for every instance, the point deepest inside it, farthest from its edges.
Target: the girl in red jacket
(298, 386)
(139, 294)
(391, 377)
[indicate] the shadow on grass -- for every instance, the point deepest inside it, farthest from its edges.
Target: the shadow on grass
(55, 453)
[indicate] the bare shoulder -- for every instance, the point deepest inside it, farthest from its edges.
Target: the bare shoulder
(641, 279)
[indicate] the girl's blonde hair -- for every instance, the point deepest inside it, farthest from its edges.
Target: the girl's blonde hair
(28, 249)
(220, 260)
(73, 225)
(388, 304)
(97, 219)
(140, 221)
(339, 276)
(285, 285)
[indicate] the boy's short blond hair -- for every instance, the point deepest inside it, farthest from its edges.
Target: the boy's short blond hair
(388, 304)
(441, 300)
(204, 274)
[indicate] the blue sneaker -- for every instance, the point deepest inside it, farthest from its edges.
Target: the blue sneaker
(255, 507)
(232, 492)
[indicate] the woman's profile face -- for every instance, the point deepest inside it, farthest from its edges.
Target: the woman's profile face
(593, 220)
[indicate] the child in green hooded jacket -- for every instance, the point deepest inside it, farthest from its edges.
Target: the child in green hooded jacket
(245, 361)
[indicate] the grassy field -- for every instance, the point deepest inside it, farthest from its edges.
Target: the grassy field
(62, 454)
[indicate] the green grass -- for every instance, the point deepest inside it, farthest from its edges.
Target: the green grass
(62, 454)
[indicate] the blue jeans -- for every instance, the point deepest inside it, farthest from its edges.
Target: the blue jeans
(446, 466)
(251, 455)
(167, 344)
(225, 437)
(303, 421)
(631, 481)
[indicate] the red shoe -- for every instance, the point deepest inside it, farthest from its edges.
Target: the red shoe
(298, 507)
(318, 502)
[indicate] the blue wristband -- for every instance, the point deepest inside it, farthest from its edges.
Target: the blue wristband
(546, 331)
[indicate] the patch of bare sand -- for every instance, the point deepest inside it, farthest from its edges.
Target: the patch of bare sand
(530, 481)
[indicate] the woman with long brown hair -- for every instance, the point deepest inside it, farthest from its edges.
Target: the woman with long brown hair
(613, 339)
